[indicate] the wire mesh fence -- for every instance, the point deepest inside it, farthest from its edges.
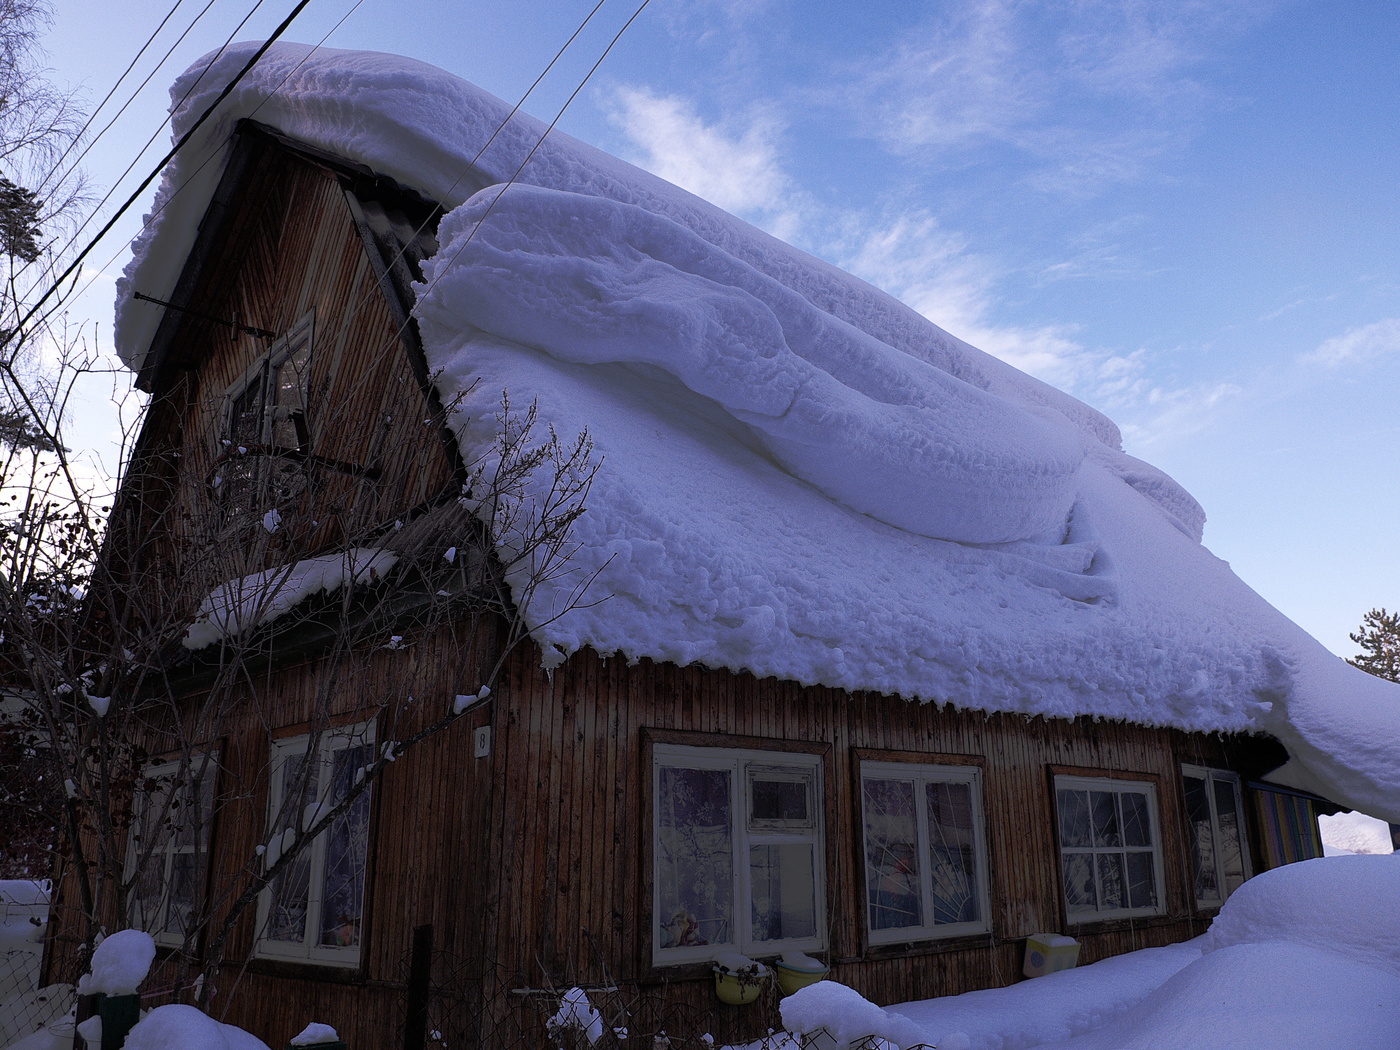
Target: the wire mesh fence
(25, 1006)
(460, 1006)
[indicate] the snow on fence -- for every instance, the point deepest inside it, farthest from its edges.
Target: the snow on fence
(462, 1005)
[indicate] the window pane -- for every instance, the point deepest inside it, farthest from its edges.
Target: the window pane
(1112, 892)
(1080, 895)
(1142, 881)
(183, 876)
(1231, 852)
(291, 889)
(289, 406)
(147, 895)
(695, 857)
(286, 920)
(783, 885)
(1074, 819)
(779, 801)
(246, 414)
(952, 854)
(1202, 839)
(1137, 825)
(891, 855)
(347, 847)
(1102, 805)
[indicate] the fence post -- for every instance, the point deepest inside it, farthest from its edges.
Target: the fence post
(420, 969)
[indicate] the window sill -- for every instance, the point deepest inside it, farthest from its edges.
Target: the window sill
(329, 973)
(907, 949)
(1117, 925)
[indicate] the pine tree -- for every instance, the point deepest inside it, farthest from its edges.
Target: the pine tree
(1379, 639)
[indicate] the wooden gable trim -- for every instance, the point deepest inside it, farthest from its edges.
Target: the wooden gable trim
(244, 151)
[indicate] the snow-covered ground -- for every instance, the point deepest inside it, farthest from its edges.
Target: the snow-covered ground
(1303, 957)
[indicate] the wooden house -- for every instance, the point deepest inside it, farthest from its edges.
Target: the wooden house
(606, 816)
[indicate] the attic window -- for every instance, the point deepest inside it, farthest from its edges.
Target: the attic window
(265, 436)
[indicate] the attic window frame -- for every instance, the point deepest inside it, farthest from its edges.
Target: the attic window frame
(300, 336)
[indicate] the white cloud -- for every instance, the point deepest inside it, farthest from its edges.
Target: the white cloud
(739, 172)
(908, 254)
(1086, 93)
(1358, 345)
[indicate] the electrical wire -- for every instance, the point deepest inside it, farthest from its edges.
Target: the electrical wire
(228, 89)
(125, 105)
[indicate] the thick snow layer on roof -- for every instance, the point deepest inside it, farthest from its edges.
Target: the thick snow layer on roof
(797, 475)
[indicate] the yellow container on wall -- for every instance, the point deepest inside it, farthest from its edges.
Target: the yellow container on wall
(736, 989)
(1049, 952)
(791, 978)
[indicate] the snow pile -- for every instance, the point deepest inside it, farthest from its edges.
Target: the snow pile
(314, 1033)
(1340, 904)
(1300, 957)
(119, 964)
(846, 1016)
(251, 601)
(1055, 1006)
(1354, 833)
(576, 1014)
(176, 1027)
(798, 476)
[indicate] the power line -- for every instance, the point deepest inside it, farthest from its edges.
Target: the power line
(147, 144)
(228, 89)
(125, 105)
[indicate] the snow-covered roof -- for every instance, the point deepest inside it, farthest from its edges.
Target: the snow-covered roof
(797, 474)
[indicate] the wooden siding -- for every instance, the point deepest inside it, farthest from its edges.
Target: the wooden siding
(532, 865)
(291, 250)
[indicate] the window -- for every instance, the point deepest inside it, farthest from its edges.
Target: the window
(1109, 848)
(1214, 815)
(314, 908)
(737, 852)
(925, 851)
(168, 847)
(265, 432)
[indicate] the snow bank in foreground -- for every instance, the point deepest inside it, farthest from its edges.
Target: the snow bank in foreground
(1052, 1007)
(177, 1027)
(251, 601)
(798, 475)
(1301, 957)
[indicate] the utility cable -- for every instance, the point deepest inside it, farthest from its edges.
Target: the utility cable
(228, 90)
(147, 144)
(127, 104)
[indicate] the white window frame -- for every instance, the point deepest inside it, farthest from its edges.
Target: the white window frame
(922, 774)
(206, 767)
(308, 950)
(741, 763)
(1208, 775)
(1118, 786)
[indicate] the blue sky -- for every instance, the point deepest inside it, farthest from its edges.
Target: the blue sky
(1184, 213)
